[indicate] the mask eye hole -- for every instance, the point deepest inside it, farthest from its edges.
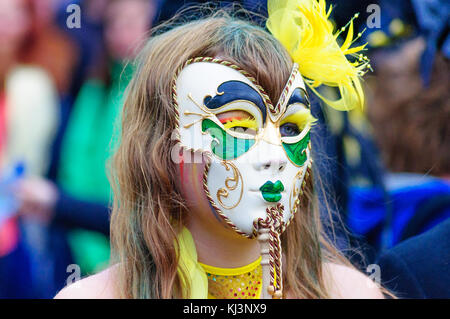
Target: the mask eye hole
(294, 124)
(239, 121)
(289, 129)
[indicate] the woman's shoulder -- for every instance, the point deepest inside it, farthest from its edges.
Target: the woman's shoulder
(98, 286)
(342, 282)
(349, 283)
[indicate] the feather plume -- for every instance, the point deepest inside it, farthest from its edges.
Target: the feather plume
(304, 29)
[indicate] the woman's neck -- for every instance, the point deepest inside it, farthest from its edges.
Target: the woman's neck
(220, 247)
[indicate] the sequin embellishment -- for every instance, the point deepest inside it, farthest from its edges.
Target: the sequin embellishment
(234, 283)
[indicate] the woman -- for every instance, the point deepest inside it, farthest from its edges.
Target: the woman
(77, 201)
(29, 116)
(215, 153)
(28, 97)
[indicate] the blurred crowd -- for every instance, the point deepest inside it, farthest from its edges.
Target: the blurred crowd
(61, 91)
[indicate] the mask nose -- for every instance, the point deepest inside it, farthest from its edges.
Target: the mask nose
(271, 159)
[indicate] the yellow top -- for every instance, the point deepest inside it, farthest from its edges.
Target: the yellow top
(234, 283)
(213, 282)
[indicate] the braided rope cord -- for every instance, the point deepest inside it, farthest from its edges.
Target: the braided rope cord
(276, 226)
(286, 88)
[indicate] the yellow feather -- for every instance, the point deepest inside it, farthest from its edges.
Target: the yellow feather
(303, 27)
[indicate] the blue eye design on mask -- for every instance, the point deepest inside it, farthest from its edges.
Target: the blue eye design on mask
(234, 91)
(299, 96)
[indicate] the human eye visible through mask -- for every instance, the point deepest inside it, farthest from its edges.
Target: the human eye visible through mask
(239, 121)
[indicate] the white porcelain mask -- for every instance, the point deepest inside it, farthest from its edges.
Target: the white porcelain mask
(259, 152)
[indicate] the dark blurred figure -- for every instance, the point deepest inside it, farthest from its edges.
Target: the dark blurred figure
(29, 115)
(89, 139)
(410, 125)
(419, 267)
(409, 111)
(411, 120)
(51, 48)
(74, 207)
(27, 89)
(168, 8)
(87, 38)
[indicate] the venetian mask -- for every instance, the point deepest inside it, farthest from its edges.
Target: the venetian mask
(259, 151)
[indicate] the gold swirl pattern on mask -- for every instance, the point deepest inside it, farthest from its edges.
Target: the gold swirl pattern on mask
(224, 191)
(213, 203)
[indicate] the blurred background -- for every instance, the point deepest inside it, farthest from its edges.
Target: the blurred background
(62, 79)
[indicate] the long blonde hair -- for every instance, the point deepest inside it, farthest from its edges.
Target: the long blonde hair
(148, 207)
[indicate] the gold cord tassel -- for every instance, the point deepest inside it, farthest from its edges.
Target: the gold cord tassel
(269, 231)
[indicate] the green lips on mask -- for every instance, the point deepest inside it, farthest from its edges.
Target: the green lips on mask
(271, 192)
